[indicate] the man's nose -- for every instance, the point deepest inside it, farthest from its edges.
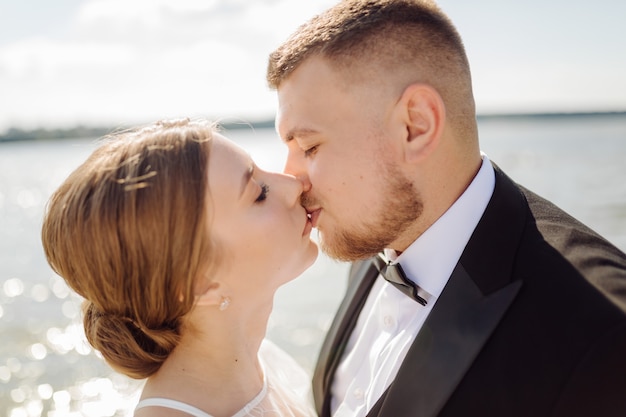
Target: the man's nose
(291, 188)
(295, 166)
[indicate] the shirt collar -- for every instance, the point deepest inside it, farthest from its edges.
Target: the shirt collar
(429, 260)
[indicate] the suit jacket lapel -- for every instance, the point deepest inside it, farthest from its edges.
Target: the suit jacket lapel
(452, 336)
(362, 278)
(468, 310)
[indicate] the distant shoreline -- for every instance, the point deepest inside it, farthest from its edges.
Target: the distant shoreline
(81, 131)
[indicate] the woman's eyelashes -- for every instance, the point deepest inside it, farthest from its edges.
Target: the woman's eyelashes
(263, 194)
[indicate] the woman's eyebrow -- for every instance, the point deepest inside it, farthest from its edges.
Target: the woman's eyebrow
(246, 179)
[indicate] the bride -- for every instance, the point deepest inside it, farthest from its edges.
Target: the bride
(177, 242)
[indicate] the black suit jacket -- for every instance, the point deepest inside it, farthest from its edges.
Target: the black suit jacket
(532, 322)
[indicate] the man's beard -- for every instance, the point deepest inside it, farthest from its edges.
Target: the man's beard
(401, 207)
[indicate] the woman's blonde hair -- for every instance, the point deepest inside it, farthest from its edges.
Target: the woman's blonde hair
(128, 231)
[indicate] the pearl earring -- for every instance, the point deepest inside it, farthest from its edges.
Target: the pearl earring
(225, 303)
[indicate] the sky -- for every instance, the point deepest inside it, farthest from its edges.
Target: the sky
(120, 62)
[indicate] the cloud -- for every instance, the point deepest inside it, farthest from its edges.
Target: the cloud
(115, 61)
(131, 61)
(44, 59)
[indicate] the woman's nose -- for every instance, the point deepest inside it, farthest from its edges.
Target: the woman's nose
(292, 188)
(294, 165)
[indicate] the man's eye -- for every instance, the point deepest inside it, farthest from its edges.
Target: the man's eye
(311, 151)
(263, 194)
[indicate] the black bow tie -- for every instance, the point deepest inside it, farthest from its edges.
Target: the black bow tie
(394, 274)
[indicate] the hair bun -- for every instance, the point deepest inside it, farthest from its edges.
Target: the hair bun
(128, 346)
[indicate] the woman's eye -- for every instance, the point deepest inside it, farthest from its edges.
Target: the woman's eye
(311, 151)
(263, 194)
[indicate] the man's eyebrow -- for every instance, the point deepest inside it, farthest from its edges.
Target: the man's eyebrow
(299, 133)
(246, 179)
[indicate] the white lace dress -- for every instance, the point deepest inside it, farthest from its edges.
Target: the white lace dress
(286, 390)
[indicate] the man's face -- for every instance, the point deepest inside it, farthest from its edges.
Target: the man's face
(342, 139)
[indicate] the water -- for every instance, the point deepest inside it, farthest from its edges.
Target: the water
(47, 369)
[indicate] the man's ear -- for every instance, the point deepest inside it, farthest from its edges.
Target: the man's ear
(424, 115)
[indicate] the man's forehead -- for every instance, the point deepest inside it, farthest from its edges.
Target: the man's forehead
(289, 128)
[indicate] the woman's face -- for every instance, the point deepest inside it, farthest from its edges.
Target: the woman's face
(257, 222)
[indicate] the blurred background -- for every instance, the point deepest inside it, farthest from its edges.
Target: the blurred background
(103, 62)
(550, 90)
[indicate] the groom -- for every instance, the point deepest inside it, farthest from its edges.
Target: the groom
(505, 305)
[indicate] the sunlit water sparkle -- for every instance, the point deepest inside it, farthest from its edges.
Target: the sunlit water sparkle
(48, 369)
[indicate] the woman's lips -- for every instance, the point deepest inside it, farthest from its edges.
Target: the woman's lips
(308, 226)
(314, 216)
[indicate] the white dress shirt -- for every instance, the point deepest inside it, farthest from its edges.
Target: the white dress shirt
(390, 320)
